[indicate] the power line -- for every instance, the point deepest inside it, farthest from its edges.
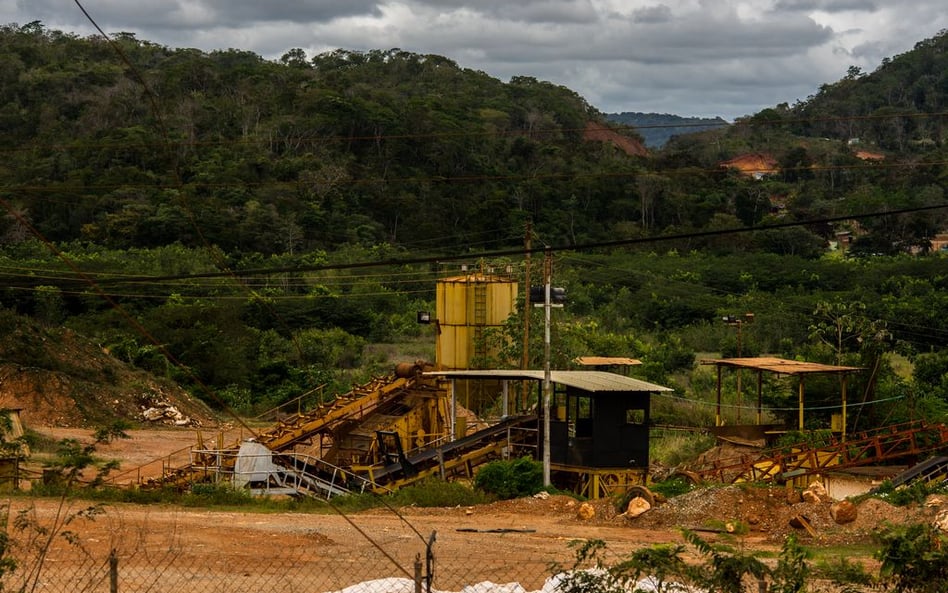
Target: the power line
(522, 251)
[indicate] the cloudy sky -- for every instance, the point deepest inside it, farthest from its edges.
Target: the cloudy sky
(686, 57)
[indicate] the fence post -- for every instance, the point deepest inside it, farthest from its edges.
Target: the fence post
(418, 573)
(429, 561)
(113, 571)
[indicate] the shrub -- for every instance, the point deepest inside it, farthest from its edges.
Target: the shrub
(914, 558)
(842, 571)
(672, 487)
(511, 478)
(914, 493)
(676, 448)
(433, 492)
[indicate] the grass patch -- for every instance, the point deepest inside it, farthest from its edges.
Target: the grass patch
(674, 448)
(901, 496)
(672, 487)
(433, 492)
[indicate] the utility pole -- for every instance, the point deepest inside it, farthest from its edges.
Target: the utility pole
(525, 361)
(547, 384)
(739, 322)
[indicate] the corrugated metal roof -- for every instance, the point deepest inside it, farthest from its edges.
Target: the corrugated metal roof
(592, 381)
(782, 365)
(595, 361)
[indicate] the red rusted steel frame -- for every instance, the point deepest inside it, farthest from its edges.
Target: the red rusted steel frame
(869, 447)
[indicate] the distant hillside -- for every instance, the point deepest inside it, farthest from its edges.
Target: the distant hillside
(658, 128)
(56, 377)
(899, 107)
(294, 155)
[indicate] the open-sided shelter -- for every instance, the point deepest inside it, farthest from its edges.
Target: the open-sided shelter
(783, 366)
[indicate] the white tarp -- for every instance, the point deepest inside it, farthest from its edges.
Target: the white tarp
(552, 585)
(254, 464)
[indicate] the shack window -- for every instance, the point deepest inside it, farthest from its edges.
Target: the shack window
(583, 408)
(635, 416)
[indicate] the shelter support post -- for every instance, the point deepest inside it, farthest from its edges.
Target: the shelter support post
(801, 402)
(506, 396)
(717, 414)
(740, 398)
(760, 396)
(843, 427)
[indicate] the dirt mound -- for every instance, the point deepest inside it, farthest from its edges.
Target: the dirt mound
(57, 378)
(768, 511)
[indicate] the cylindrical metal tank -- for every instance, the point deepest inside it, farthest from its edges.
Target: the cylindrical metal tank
(467, 306)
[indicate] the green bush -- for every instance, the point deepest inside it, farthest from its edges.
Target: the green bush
(914, 558)
(433, 492)
(842, 571)
(510, 478)
(914, 493)
(672, 487)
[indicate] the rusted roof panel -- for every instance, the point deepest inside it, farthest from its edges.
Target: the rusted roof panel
(595, 361)
(782, 365)
(592, 381)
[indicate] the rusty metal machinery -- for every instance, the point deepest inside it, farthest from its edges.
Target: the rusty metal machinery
(379, 436)
(796, 461)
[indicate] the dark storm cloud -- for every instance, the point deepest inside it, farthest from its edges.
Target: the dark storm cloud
(187, 14)
(531, 11)
(692, 39)
(652, 14)
(826, 5)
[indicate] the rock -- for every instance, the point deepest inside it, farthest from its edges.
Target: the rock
(542, 495)
(811, 497)
(586, 511)
(843, 512)
(936, 500)
(637, 506)
(153, 414)
(168, 414)
(818, 489)
(794, 497)
(941, 521)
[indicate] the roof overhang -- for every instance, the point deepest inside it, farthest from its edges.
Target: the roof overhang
(592, 381)
(595, 361)
(782, 366)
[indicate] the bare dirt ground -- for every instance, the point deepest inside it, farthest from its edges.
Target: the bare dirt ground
(508, 541)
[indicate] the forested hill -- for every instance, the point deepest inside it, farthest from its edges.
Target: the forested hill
(301, 153)
(139, 145)
(899, 106)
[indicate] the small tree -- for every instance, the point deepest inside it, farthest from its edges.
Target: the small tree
(511, 479)
(724, 569)
(914, 559)
(34, 538)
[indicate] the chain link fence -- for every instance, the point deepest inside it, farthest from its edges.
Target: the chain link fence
(63, 547)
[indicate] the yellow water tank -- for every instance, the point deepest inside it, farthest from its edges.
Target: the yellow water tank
(467, 306)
